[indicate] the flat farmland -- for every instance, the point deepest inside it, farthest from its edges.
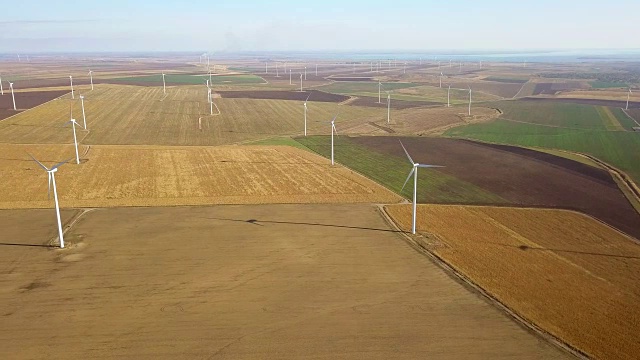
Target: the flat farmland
(501, 89)
(144, 116)
(363, 88)
(186, 79)
(25, 100)
(242, 282)
(437, 94)
(564, 272)
(477, 173)
(167, 176)
(312, 95)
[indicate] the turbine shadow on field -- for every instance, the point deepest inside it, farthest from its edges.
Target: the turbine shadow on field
(527, 248)
(258, 222)
(28, 245)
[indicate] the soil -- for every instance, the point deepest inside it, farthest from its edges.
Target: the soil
(523, 177)
(395, 104)
(240, 282)
(25, 100)
(611, 103)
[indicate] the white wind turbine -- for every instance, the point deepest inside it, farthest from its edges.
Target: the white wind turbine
(305, 114)
(316, 70)
(448, 96)
(379, 92)
(1, 89)
(290, 80)
(71, 81)
(210, 102)
(388, 106)
(91, 79)
(628, 96)
(266, 68)
(305, 73)
(164, 85)
(469, 100)
(441, 75)
(333, 130)
(300, 82)
(414, 172)
(84, 118)
(13, 96)
(52, 180)
(75, 139)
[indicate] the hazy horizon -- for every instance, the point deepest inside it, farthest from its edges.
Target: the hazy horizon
(34, 26)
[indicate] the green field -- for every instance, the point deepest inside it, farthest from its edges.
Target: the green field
(191, 79)
(508, 79)
(606, 84)
(619, 148)
(363, 88)
(391, 171)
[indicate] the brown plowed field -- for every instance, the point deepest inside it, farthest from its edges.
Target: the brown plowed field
(598, 102)
(239, 282)
(319, 96)
(343, 78)
(563, 271)
(25, 100)
(42, 83)
(395, 104)
(552, 88)
(522, 176)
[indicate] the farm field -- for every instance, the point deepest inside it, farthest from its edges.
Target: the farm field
(363, 88)
(183, 79)
(144, 116)
(437, 94)
(313, 95)
(25, 100)
(251, 282)
(501, 89)
(111, 176)
(572, 276)
(618, 148)
(477, 173)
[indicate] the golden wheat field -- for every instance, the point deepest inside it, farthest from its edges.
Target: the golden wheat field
(165, 176)
(569, 274)
(134, 115)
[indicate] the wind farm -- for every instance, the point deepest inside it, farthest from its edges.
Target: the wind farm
(386, 206)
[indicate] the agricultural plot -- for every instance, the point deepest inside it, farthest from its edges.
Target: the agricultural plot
(476, 173)
(618, 148)
(616, 95)
(561, 99)
(185, 79)
(312, 95)
(501, 89)
(144, 116)
(25, 100)
(562, 271)
(242, 282)
(363, 88)
(155, 176)
(507, 79)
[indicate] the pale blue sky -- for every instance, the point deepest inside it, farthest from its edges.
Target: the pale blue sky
(213, 25)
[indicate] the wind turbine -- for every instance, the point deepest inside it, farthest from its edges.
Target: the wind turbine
(469, 100)
(305, 73)
(441, 75)
(448, 96)
(628, 96)
(1, 89)
(290, 82)
(210, 102)
(91, 79)
(75, 139)
(300, 82)
(266, 68)
(379, 92)
(71, 81)
(210, 76)
(316, 70)
(52, 180)
(84, 118)
(305, 114)
(333, 130)
(414, 172)
(13, 97)
(388, 106)
(164, 85)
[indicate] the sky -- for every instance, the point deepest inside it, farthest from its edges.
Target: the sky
(231, 26)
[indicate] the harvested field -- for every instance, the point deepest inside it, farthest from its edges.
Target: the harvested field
(343, 78)
(314, 95)
(566, 273)
(505, 90)
(556, 87)
(608, 94)
(439, 95)
(395, 103)
(185, 79)
(243, 282)
(167, 176)
(25, 100)
(125, 115)
(515, 175)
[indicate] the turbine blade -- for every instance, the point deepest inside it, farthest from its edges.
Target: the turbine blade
(49, 187)
(406, 152)
(61, 163)
(430, 166)
(408, 177)
(334, 128)
(39, 163)
(308, 98)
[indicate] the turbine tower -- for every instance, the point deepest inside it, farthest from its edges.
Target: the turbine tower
(305, 114)
(84, 118)
(379, 92)
(1, 89)
(441, 75)
(164, 85)
(13, 97)
(290, 81)
(448, 96)
(628, 96)
(414, 172)
(91, 79)
(388, 107)
(71, 81)
(52, 181)
(333, 130)
(300, 82)
(469, 100)
(305, 73)
(75, 139)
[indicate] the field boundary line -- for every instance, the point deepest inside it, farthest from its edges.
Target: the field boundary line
(519, 91)
(44, 103)
(630, 117)
(81, 212)
(467, 282)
